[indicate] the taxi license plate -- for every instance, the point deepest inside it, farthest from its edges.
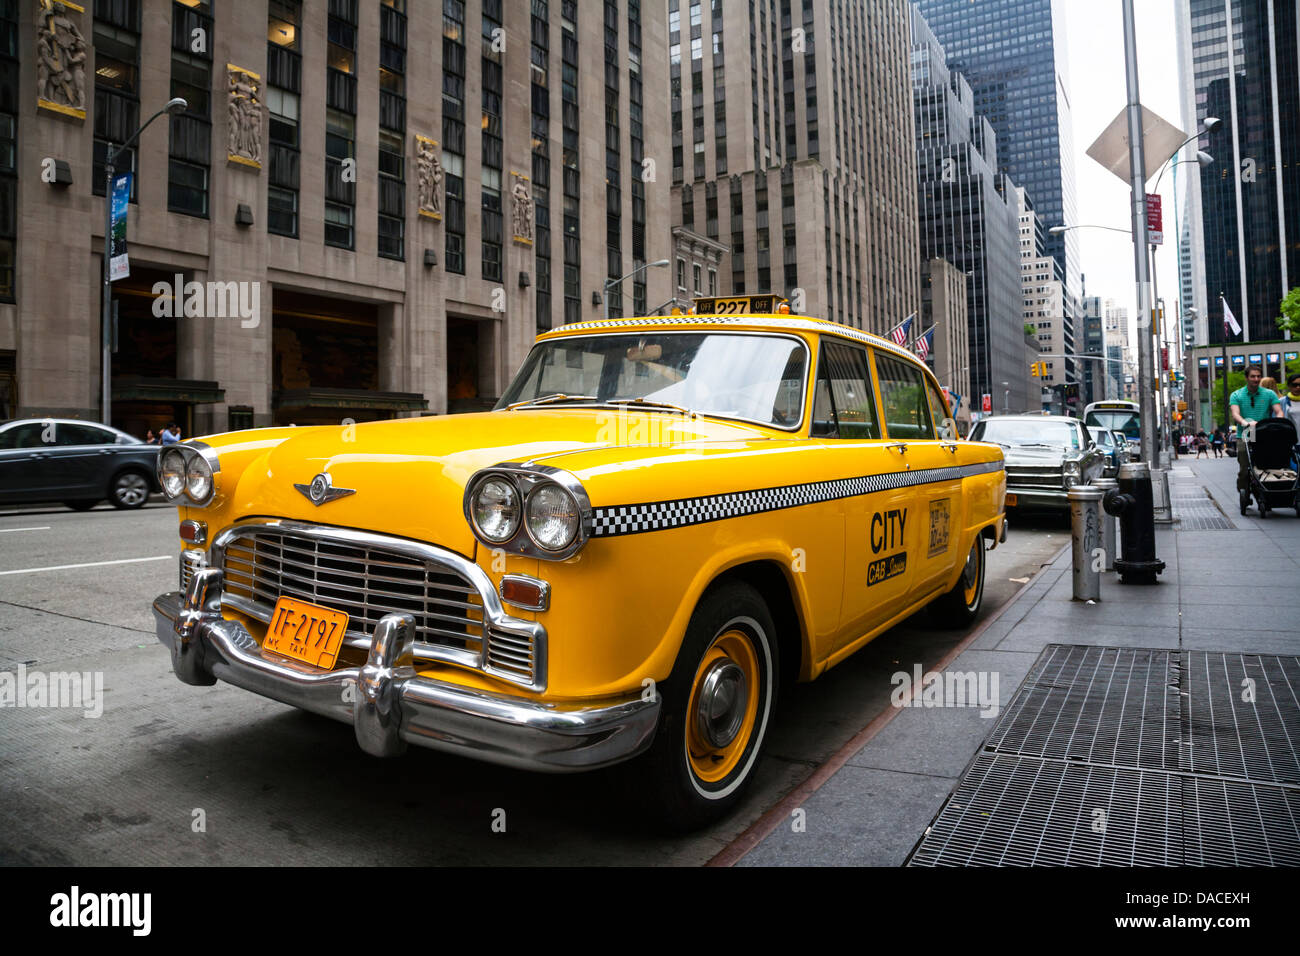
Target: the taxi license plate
(306, 632)
(1011, 500)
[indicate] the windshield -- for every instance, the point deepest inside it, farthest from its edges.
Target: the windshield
(1027, 431)
(757, 378)
(1121, 419)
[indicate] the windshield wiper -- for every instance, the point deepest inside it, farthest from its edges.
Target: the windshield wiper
(649, 403)
(551, 400)
(1039, 444)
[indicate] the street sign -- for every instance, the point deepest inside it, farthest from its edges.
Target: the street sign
(986, 402)
(1155, 224)
(1164, 358)
(118, 266)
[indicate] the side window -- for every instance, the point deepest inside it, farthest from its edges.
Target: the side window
(84, 435)
(21, 436)
(843, 403)
(907, 413)
(944, 425)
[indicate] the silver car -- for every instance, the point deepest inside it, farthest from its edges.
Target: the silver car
(1046, 455)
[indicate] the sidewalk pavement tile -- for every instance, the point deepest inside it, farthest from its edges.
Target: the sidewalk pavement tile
(1253, 593)
(1249, 641)
(1239, 618)
(859, 817)
(1032, 635)
(1117, 606)
(907, 743)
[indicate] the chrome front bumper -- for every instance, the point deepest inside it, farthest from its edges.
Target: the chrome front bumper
(389, 704)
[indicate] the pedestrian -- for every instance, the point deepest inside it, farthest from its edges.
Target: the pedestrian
(170, 435)
(1291, 400)
(1202, 444)
(1216, 442)
(150, 438)
(1248, 405)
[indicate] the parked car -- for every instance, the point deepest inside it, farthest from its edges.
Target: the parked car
(662, 522)
(1046, 455)
(78, 463)
(1114, 447)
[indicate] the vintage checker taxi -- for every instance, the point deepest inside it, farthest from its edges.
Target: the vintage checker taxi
(662, 522)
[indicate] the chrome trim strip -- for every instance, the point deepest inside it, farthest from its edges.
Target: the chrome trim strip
(390, 703)
(495, 617)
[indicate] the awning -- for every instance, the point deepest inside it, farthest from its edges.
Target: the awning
(169, 390)
(349, 398)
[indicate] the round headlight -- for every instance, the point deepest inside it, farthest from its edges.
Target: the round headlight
(552, 517)
(496, 509)
(171, 472)
(198, 479)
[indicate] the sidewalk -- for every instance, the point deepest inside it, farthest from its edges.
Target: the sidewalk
(875, 807)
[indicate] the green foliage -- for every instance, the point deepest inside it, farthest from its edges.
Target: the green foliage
(1030, 329)
(1289, 320)
(1238, 379)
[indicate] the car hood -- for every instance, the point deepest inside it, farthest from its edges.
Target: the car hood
(1031, 455)
(408, 476)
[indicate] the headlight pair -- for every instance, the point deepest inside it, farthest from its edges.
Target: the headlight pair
(188, 470)
(537, 511)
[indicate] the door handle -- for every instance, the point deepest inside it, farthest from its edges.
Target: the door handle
(38, 454)
(900, 445)
(949, 446)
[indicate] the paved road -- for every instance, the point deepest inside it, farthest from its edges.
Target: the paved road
(171, 774)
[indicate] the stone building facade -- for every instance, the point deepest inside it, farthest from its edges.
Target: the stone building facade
(407, 191)
(791, 143)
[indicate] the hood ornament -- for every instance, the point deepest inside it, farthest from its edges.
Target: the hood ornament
(322, 490)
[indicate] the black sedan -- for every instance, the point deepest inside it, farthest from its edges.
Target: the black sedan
(78, 463)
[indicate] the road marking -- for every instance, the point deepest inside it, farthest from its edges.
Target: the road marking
(7, 530)
(90, 564)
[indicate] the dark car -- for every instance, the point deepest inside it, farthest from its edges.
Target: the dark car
(1115, 447)
(78, 463)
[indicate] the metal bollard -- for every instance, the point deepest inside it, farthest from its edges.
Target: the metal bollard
(1085, 533)
(1109, 537)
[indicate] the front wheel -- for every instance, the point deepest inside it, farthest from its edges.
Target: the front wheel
(715, 710)
(130, 489)
(961, 605)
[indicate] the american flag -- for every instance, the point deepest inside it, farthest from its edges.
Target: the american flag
(924, 343)
(902, 330)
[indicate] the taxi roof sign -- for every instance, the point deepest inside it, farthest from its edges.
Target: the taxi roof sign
(740, 305)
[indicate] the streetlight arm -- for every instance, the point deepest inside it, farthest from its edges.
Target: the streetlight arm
(176, 105)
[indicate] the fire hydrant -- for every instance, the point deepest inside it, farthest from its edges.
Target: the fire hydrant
(1132, 503)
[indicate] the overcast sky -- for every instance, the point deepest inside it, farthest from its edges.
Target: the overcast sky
(1095, 52)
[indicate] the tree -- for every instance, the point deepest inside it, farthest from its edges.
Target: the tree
(1289, 320)
(1031, 330)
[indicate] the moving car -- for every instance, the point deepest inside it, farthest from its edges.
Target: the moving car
(75, 462)
(1114, 447)
(1046, 455)
(662, 522)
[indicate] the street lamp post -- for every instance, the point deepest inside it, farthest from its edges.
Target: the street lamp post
(615, 283)
(1006, 398)
(175, 105)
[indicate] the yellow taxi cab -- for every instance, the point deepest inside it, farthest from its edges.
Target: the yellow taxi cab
(662, 522)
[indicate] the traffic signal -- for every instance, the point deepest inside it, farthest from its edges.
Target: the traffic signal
(1038, 369)
(1033, 369)
(1173, 376)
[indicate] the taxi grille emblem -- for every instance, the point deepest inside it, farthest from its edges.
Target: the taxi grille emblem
(322, 490)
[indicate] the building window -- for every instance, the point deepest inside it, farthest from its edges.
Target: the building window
(340, 124)
(117, 98)
(338, 225)
(681, 275)
(191, 133)
(283, 85)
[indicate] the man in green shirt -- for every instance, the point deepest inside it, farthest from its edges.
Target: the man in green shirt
(1247, 405)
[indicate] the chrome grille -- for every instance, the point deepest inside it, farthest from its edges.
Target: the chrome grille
(191, 561)
(365, 582)
(1034, 477)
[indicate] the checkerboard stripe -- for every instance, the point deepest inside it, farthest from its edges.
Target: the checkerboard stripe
(659, 515)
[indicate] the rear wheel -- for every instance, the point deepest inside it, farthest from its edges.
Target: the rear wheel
(960, 606)
(1244, 501)
(715, 710)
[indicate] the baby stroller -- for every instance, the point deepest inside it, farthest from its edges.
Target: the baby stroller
(1271, 459)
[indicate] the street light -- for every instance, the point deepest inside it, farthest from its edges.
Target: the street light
(172, 106)
(614, 283)
(1006, 398)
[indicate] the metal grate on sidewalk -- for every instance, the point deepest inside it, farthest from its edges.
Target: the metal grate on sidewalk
(1195, 510)
(1133, 757)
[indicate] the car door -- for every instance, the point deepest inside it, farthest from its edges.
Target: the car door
(932, 497)
(81, 459)
(24, 461)
(847, 421)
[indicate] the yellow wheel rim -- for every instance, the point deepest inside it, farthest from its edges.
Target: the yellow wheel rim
(971, 575)
(723, 707)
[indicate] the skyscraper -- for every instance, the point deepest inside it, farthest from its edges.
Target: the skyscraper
(1012, 52)
(1245, 208)
(967, 214)
(792, 144)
